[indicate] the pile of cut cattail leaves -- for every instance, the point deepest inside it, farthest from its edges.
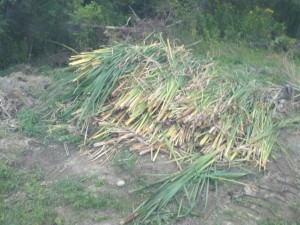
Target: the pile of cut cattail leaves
(160, 99)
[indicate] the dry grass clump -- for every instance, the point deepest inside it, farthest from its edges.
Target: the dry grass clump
(170, 102)
(157, 98)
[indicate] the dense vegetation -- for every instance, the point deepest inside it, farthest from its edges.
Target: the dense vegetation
(32, 28)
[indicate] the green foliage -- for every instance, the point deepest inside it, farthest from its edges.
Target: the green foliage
(227, 20)
(270, 221)
(11, 51)
(89, 15)
(284, 42)
(27, 27)
(99, 182)
(9, 179)
(23, 200)
(31, 124)
(259, 27)
(28, 122)
(63, 135)
(74, 193)
(229, 213)
(287, 12)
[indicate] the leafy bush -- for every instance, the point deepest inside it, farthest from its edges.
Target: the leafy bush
(88, 16)
(259, 27)
(11, 51)
(28, 122)
(29, 27)
(284, 42)
(230, 21)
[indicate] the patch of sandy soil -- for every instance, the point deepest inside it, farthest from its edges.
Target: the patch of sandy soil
(273, 194)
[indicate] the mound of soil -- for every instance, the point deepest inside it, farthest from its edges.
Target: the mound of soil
(18, 90)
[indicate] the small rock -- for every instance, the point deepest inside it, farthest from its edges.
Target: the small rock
(120, 183)
(228, 223)
(249, 191)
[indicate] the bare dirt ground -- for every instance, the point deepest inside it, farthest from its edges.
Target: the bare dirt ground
(272, 195)
(275, 193)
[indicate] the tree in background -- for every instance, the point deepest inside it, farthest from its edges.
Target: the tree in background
(12, 35)
(29, 28)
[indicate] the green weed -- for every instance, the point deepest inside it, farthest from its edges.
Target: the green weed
(124, 162)
(239, 200)
(23, 200)
(275, 207)
(28, 122)
(229, 213)
(296, 206)
(7, 71)
(3, 134)
(258, 202)
(75, 194)
(31, 123)
(99, 182)
(270, 221)
(58, 74)
(14, 152)
(100, 218)
(261, 64)
(9, 179)
(63, 135)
